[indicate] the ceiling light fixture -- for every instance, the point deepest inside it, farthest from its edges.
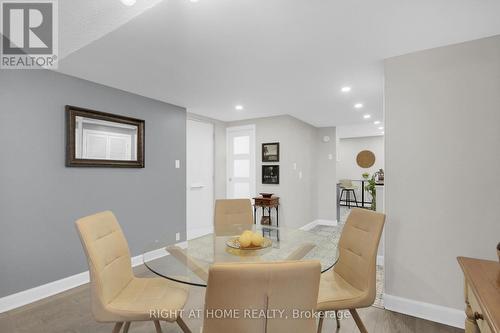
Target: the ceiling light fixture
(376, 122)
(380, 128)
(128, 2)
(193, 1)
(367, 116)
(358, 105)
(345, 89)
(239, 107)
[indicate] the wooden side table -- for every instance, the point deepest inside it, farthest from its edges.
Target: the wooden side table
(267, 205)
(482, 295)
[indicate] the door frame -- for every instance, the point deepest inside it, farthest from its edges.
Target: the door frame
(253, 175)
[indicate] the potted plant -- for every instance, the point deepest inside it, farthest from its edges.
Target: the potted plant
(365, 175)
(370, 188)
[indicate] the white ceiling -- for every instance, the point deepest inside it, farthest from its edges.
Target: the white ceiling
(84, 21)
(359, 130)
(272, 56)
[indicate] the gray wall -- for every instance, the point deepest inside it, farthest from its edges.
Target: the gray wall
(326, 174)
(300, 144)
(442, 153)
(40, 198)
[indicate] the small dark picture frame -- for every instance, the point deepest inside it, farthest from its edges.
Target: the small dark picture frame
(271, 152)
(271, 174)
(99, 139)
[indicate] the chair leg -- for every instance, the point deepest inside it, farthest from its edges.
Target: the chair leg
(320, 324)
(157, 326)
(355, 199)
(341, 194)
(118, 327)
(183, 325)
(337, 318)
(358, 321)
(126, 327)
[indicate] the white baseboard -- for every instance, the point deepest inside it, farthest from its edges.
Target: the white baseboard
(28, 296)
(37, 293)
(432, 312)
(314, 223)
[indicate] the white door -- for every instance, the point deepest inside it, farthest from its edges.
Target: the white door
(240, 162)
(199, 178)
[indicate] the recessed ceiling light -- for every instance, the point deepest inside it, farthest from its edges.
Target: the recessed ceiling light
(345, 89)
(367, 116)
(376, 122)
(358, 105)
(382, 133)
(380, 128)
(193, 1)
(128, 2)
(239, 107)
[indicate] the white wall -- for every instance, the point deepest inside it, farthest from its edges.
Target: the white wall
(348, 150)
(442, 147)
(326, 169)
(300, 168)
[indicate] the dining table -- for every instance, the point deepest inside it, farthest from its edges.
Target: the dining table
(188, 262)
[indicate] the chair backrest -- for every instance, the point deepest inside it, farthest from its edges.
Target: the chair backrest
(262, 287)
(108, 257)
(358, 247)
(345, 183)
(233, 211)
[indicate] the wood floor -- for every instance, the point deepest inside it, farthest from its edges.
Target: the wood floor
(69, 312)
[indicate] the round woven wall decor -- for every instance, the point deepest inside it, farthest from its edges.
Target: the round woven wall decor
(365, 159)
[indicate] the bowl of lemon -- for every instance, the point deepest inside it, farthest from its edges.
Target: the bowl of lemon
(249, 240)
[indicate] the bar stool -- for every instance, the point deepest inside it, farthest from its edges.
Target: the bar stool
(348, 188)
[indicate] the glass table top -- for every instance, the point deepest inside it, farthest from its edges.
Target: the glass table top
(188, 262)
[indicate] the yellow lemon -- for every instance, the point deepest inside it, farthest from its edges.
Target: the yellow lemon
(245, 240)
(257, 239)
(247, 232)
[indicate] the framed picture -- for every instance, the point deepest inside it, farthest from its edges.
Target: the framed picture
(271, 152)
(270, 174)
(98, 139)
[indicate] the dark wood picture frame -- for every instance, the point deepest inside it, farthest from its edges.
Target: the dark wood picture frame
(270, 158)
(71, 161)
(266, 179)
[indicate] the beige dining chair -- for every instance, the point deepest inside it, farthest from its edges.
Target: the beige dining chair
(116, 294)
(351, 284)
(241, 287)
(233, 211)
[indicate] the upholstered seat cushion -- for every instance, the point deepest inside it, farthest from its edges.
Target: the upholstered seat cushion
(335, 293)
(143, 295)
